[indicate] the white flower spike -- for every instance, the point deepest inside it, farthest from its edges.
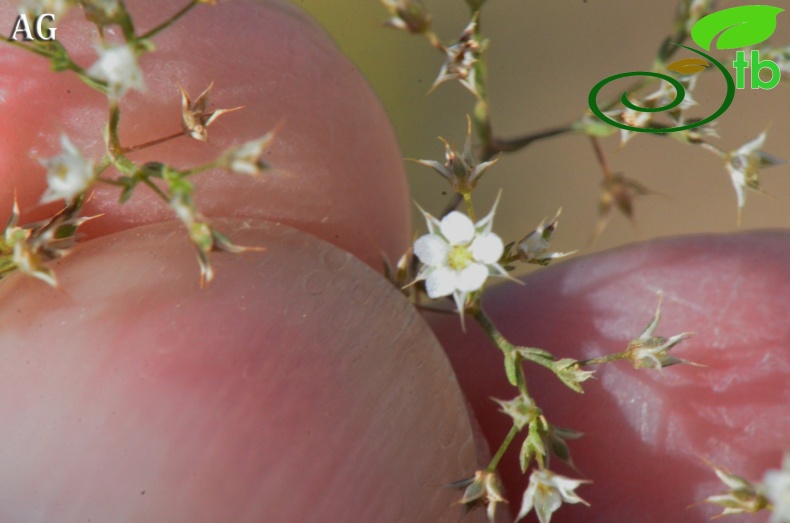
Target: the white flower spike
(69, 174)
(458, 256)
(247, 158)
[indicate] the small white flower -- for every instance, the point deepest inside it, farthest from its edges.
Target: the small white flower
(34, 8)
(744, 164)
(546, 492)
(777, 490)
(246, 159)
(69, 174)
(458, 255)
(117, 65)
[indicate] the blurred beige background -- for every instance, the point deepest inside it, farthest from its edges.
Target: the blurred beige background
(544, 57)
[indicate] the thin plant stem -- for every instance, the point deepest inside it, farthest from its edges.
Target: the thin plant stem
(156, 189)
(161, 27)
(470, 209)
(599, 155)
(502, 449)
(603, 359)
(133, 148)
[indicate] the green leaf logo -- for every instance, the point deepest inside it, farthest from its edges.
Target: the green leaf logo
(739, 26)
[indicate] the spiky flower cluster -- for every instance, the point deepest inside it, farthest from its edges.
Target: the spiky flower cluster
(71, 174)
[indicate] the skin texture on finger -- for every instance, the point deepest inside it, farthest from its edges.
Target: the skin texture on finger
(300, 386)
(647, 432)
(338, 175)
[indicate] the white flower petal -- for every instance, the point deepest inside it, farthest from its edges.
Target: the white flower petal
(472, 277)
(457, 228)
(527, 501)
(440, 282)
(488, 248)
(432, 250)
(68, 174)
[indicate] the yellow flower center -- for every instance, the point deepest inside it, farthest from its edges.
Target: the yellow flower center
(460, 257)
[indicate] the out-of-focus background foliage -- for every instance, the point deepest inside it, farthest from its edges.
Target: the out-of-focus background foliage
(543, 59)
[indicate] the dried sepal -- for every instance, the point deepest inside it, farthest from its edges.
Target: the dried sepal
(534, 247)
(741, 497)
(248, 157)
(460, 169)
(29, 247)
(461, 58)
(408, 15)
(402, 274)
(618, 192)
(195, 119)
(652, 352)
(521, 409)
(571, 374)
(743, 165)
(482, 490)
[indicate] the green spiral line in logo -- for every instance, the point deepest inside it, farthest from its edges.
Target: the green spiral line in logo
(680, 95)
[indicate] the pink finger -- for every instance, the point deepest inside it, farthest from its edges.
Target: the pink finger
(647, 432)
(338, 173)
(299, 387)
